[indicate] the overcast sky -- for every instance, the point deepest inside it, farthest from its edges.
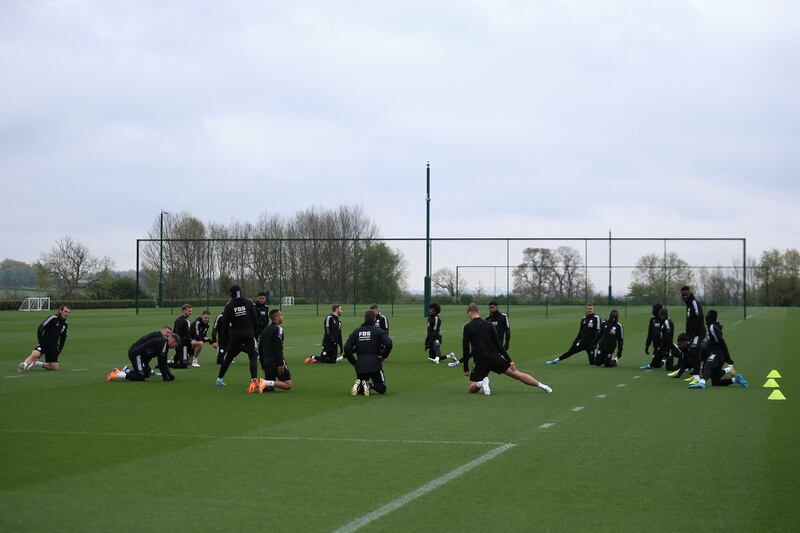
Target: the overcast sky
(540, 118)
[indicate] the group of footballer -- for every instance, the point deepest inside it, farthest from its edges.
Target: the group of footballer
(251, 327)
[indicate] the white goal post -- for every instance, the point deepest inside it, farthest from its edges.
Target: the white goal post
(35, 304)
(287, 300)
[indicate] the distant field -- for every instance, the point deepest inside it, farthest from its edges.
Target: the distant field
(609, 450)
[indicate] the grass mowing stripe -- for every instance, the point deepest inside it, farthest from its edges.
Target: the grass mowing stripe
(422, 491)
(250, 437)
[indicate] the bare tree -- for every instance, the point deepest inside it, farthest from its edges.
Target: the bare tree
(72, 266)
(533, 278)
(444, 283)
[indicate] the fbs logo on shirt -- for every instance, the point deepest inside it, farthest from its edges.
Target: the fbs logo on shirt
(364, 335)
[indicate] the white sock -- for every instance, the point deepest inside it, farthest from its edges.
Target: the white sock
(728, 369)
(269, 383)
(542, 386)
(121, 375)
(38, 363)
(697, 377)
(480, 384)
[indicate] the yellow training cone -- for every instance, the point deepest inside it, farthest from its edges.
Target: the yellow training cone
(771, 384)
(773, 374)
(776, 395)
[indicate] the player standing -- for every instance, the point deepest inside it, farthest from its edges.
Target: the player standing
(51, 335)
(240, 320)
(219, 338)
(380, 320)
(654, 338)
(695, 332)
(262, 310)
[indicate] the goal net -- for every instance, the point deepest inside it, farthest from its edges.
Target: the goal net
(287, 300)
(35, 304)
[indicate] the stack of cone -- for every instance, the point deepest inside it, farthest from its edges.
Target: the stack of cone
(772, 384)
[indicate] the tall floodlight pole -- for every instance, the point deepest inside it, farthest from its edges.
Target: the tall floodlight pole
(427, 242)
(161, 260)
(609, 267)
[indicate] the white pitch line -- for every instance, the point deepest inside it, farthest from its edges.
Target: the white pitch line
(17, 376)
(600, 396)
(636, 377)
(79, 369)
(430, 486)
(578, 408)
(547, 425)
(251, 437)
(620, 385)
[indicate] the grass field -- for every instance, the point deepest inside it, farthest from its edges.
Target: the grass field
(609, 450)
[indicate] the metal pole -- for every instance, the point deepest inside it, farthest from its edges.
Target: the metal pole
(665, 272)
(586, 269)
(161, 261)
(609, 267)
(427, 240)
(137, 276)
(744, 277)
(355, 275)
(508, 284)
(280, 273)
(208, 277)
(457, 300)
(546, 305)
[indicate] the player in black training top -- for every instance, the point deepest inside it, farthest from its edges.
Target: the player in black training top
(480, 341)
(585, 340)
(155, 344)
(654, 338)
(695, 333)
(219, 338)
(182, 328)
(380, 320)
(199, 333)
(270, 352)
(240, 320)
(262, 311)
(503, 326)
(331, 338)
(433, 338)
(371, 345)
(715, 356)
(612, 337)
(51, 336)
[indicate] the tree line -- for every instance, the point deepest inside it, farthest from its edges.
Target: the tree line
(208, 258)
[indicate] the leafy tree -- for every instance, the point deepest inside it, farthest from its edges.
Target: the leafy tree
(655, 280)
(16, 274)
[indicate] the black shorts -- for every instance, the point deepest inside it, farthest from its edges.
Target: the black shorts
(271, 371)
(50, 354)
(496, 364)
(241, 342)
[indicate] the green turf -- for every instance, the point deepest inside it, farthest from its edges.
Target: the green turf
(81, 454)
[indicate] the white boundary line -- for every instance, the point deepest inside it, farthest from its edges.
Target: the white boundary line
(249, 437)
(407, 498)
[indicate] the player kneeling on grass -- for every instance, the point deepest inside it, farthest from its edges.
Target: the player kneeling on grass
(372, 345)
(611, 338)
(480, 341)
(717, 361)
(270, 353)
(52, 335)
(156, 344)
